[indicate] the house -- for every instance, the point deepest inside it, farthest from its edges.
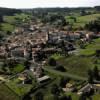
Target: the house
(96, 87)
(90, 35)
(43, 79)
(19, 30)
(98, 34)
(69, 87)
(2, 52)
(49, 50)
(36, 69)
(24, 78)
(86, 88)
(19, 52)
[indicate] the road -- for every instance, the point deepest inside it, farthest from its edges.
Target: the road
(64, 74)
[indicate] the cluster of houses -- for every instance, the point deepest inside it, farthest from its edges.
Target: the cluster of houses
(19, 44)
(31, 42)
(30, 39)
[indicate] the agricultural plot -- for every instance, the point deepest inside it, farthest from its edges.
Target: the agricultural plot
(82, 20)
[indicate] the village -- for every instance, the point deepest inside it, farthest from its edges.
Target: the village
(30, 48)
(50, 53)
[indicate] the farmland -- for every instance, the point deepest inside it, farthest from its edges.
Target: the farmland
(82, 20)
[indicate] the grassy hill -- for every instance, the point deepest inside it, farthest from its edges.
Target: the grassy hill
(10, 22)
(7, 94)
(77, 65)
(7, 27)
(82, 20)
(91, 48)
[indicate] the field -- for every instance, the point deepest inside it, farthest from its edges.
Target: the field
(10, 22)
(82, 20)
(96, 96)
(19, 89)
(7, 27)
(79, 65)
(91, 48)
(17, 69)
(7, 94)
(76, 66)
(15, 18)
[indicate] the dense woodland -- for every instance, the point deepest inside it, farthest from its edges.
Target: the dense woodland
(8, 11)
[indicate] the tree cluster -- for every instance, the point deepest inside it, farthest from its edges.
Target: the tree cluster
(93, 75)
(93, 25)
(8, 11)
(54, 19)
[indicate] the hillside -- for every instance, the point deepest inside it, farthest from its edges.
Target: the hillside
(82, 20)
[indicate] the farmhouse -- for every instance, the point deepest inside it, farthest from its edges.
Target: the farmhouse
(69, 87)
(86, 88)
(43, 79)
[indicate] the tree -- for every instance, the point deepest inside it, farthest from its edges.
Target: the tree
(82, 96)
(40, 55)
(42, 45)
(60, 68)
(96, 73)
(54, 19)
(1, 19)
(8, 33)
(73, 18)
(64, 48)
(1, 35)
(93, 25)
(97, 53)
(30, 54)
(97, 8)
(52, 62)
(27, 64)
(4, 66)
(63, 81)
(26, 97)
(83, 13)
(90, 76)
(39, 96)
(91, 92)
(82, 45)
(56, 97)
(55, 90)
(69, 97)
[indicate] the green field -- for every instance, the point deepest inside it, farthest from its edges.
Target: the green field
(82, 20)
(15, 18)
(7, 94)
(10, 22)
(17, 69)
(96, 96)
(56, 56)
(7, 27)
(76, 66)
(91, 48)
(19, 89)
